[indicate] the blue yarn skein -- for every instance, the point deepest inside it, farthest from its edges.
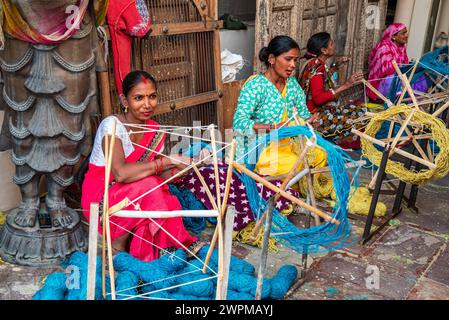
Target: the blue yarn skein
(163, 294)
(188, 201)
(282, 281)
(248, 284)
(237, 265)
(54, 288)
(203, 288)
(154, 270)
(124, 282)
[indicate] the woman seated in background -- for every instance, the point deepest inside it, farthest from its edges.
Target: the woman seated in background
(392, 46)
(322, 94)
(136, 169)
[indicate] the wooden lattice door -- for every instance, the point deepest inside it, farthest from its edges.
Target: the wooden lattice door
(182, 51)
(299, 19)
(348, 22)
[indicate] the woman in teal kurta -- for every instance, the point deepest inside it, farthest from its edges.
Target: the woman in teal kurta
(268, 99)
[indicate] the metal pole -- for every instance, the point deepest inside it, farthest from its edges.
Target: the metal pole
(264, 255)
(369, 221)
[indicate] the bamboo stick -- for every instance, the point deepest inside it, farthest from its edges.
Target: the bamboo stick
(167, 214)
(404, 91)
(119, 206)
(321, 170)
(206, 187)
(92, 254)
(380, 95)
(310, 188)
(220, 209)
(229, 228)
(214, 156)
(398, 151)
(406, 84)
(401, 131)
(437, 113)
(220, 257)
(415, 137)
(229, 176)
(284, 194)
(105, 209)
(225, 201)
(106, 215)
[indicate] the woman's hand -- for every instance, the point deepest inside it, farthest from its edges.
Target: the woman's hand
(354, 79)
(205, 155)
(180, 162)
(314, 121)
(280, 125)
(342, 60)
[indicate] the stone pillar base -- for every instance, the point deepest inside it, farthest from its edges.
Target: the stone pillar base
(38, 247)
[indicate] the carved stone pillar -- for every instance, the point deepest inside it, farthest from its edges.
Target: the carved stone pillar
(50, 91)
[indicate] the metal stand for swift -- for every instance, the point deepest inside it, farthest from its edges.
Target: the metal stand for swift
(397, 207)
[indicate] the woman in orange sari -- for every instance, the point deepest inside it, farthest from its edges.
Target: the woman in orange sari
(136, 169)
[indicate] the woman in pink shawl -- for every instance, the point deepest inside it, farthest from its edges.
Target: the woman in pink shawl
(392, 46)
(136, 169)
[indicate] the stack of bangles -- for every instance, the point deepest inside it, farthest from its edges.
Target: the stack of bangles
(159, 167)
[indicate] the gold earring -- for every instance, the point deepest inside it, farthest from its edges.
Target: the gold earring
(126, 109)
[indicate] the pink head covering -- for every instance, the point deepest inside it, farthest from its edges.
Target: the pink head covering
(385, 52)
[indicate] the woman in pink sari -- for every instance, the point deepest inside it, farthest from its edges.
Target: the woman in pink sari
(136, 169)
(392, 46)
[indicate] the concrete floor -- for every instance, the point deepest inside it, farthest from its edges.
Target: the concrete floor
(410, 257)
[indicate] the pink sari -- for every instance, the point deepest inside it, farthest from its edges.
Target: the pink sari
(160, 199)
(380, 60)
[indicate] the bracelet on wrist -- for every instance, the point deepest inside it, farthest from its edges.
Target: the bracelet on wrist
(156, 170)
(161, 165)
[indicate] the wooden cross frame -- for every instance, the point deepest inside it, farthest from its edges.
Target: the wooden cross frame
(225, 222)
(392, 145)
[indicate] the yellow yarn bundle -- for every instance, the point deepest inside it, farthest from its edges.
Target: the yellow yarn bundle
(244, 236)
(2, 218)
(360, 202)
(440, 137)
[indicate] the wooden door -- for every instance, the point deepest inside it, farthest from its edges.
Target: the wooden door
(182, 51)
(346, 20)
(298, 19)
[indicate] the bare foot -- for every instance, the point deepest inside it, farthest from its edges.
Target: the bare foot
(26, 217)
(60, 218)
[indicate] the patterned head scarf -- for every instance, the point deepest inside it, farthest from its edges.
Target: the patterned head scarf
(381, 57)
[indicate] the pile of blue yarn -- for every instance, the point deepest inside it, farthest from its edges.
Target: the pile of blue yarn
(164, 278)
(190, 202)
(326, 237)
